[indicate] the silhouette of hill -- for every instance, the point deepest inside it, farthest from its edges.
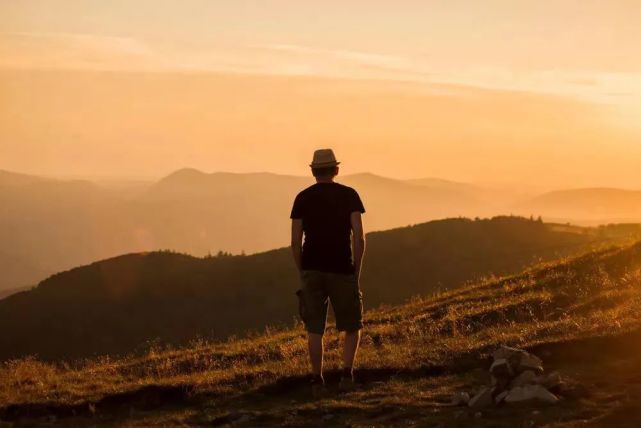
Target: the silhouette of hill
(444, 184)
(9, 292)
(116, 305)
(595, 204)
(581, 316)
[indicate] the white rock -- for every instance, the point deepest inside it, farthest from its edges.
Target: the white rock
(505, 352)
(530, 392)
(530, 362)
(527, 377)
(500, 368)
(550, 381)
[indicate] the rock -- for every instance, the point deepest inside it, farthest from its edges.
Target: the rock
(478, 415)
(530, 362)
(499, 398)
(528, 377)
(482, 399)
(518, 359)
(501, 369)
(505, 352)
(530, 392)
(500, 384)
(460, 399)
(553, 380)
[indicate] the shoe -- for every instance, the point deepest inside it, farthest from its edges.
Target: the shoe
(318, 386)
(346, 384)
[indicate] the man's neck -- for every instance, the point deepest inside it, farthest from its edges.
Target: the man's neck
(325, 180)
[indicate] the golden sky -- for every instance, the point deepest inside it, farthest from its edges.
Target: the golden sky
(535, 92)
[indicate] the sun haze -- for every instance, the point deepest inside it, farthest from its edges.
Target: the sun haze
(545, 92)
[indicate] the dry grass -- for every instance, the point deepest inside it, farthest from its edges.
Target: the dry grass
(596, 294)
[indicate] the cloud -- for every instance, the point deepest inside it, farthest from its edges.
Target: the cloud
(357, 57)
(75, 51)
(118, 53)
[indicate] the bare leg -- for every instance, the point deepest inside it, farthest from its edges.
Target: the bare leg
(315, 346)
(350, 347)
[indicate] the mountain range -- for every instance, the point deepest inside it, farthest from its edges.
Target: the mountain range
(48, 225)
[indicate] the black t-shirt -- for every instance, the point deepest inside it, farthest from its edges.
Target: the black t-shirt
(325, 209)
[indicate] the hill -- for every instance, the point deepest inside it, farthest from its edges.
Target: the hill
(581, 315)
(51, 225)
(120, 304)
(594, 204)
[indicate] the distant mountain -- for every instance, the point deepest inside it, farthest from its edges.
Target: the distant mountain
(49, 225)
(597, 204)
(11, 179)
(116, 305)
(444, 184)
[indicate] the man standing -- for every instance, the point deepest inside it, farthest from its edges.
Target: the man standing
(329, 262)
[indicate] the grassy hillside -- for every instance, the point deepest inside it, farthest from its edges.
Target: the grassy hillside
(581, 315)
(120, 304)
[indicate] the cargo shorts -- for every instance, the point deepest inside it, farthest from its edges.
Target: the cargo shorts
(319, 289)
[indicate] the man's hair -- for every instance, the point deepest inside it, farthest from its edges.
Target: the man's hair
(325, 172)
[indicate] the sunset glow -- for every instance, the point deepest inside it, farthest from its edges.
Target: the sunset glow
(545, 93)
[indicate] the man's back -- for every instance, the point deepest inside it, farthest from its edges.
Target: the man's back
(325, 210)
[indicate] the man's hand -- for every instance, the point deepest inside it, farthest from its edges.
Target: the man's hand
(358, 241)
(297, 242)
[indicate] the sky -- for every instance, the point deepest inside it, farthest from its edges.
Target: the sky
(533, 92)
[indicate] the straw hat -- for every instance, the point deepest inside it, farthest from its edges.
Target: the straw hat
(323, 158)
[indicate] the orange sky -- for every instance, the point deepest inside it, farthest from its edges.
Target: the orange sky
(541, 92)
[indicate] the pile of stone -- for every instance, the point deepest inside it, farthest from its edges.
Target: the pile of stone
(516, 376)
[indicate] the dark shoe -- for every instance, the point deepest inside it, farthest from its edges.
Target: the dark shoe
(318, 386)
(346, 384)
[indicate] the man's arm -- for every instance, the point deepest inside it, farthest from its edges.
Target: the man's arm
(358, 241)
(297, 242)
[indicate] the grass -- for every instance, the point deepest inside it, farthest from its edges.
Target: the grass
(412, 356)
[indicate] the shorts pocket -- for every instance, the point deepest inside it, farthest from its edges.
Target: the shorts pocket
(301, 305)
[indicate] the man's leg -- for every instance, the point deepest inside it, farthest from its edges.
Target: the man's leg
(350, 348)
(314, 314)
(315, 347)
(344, 293)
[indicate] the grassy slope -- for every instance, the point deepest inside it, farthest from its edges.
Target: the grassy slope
(574, 313)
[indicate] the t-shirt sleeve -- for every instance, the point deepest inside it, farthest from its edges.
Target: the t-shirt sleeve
(356, 205)
(297, 208)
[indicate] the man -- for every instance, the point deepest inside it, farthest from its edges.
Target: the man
(329, 214)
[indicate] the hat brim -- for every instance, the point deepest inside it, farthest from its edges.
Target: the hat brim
(323, 164)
